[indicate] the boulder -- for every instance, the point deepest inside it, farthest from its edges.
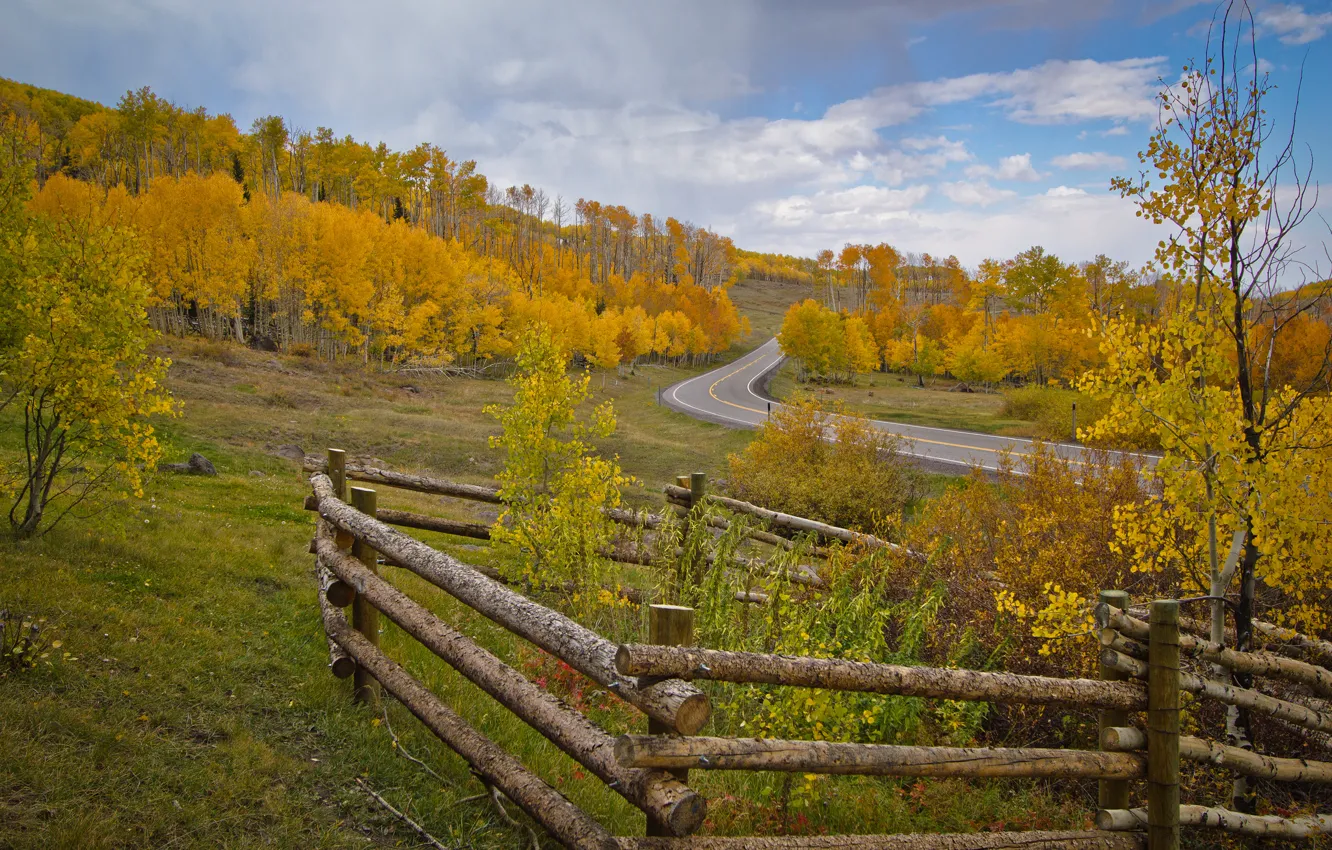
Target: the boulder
(196, 465)
(291, 452)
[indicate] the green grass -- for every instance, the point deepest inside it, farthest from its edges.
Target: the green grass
(897, 398)
(765, 302)
(194, 708)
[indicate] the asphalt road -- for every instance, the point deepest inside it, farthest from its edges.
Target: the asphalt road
(730, 396)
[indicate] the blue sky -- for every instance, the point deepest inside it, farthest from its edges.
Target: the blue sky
(967, 127)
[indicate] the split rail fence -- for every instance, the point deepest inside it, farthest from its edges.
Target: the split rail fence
(1140, 672)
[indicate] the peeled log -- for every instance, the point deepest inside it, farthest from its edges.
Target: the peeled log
(796, 523)
(407, 519)
(665, 799)
(1223, 819)
(419, 483)
(871, 759)
(1261, 663)
(677, 704)
(1247, 762)
(562, 819)
(839, 675)
(915, 841)
(342, 664)
(1291, 712)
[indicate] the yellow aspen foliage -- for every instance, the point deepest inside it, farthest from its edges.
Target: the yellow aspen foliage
(554, 487)
(73, 354)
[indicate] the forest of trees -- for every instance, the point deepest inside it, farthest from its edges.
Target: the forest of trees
(1033, 317)
(332, 246)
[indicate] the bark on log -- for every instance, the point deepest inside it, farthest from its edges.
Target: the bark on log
(342, 664)
(871, 759)
(661, 796)
(562, 819)
(836, 674)
(332, 590)
(407, 519)
(1270, 664)
(678, 704)
(1223, 819)
(454, 489)
(1291, 712)
(917, 841)
(795, 523)
(1238, 759)
(418, 483)
(1319, 650)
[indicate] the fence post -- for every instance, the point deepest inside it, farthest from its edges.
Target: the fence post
(1163, 727)
(698, 488)
(1075, 422)
(1112, 793)
(365, 619)
(337, 473)
(668, 625)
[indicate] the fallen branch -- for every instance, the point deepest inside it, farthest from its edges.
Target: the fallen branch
(420, 830)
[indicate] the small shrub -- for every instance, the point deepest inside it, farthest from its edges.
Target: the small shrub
(857, 480)
(1051, 408)
(23, 642)
(301, 349)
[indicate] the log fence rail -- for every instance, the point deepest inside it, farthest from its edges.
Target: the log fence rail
(1140, 674)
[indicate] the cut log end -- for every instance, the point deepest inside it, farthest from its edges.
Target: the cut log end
(342, 666)
(687, 815)
(340, 593)
(693, 714)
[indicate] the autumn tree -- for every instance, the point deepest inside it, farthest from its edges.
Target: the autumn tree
(73, 352)
(1246, 456)
(554, 486)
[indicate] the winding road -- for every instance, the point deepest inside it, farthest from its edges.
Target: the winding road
(727, 396)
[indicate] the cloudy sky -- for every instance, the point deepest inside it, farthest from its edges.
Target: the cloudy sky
(967, 127)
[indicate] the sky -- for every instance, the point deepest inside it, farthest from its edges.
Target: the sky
(976, 128)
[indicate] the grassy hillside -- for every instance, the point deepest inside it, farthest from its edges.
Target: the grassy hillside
(188, 704)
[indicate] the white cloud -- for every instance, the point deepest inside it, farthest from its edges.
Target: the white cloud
(1117, 130)
(1055, 92)
(1015, 167)
(859, 206)
(1291, 24)
(1074, 225)
(1092, 160)
(1064, 192)
(978, 193)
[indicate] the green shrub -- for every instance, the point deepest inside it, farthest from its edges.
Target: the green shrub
(856, 480)
(1051, 408)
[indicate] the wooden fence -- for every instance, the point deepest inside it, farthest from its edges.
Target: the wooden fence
(1140, 672)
